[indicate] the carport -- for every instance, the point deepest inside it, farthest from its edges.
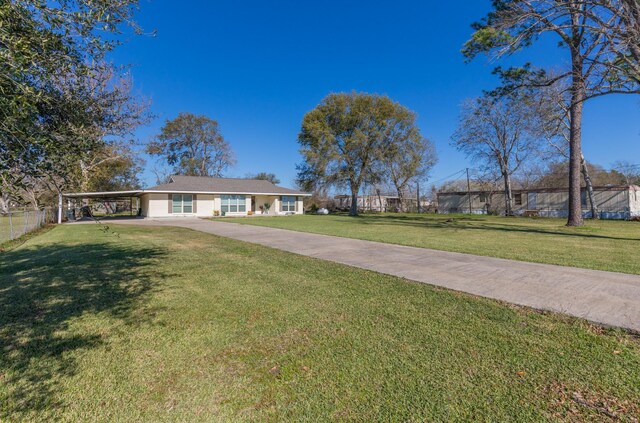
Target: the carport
(104, 197)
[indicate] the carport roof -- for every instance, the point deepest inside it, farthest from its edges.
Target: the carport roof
(104, 194)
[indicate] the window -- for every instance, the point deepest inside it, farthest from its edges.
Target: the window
(483, 197)
(233, 203)
(288, 203)
(517, 199)
(583, 199)
(182, 203)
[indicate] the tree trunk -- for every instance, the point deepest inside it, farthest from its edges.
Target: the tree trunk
(575, 128)
(4, 203)
(508, 197)
(353, 210)
(84, 172)
(575, 155)
(587, 180)
(400, 201)
(382, 209)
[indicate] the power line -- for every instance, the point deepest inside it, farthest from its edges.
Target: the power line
(460, 172)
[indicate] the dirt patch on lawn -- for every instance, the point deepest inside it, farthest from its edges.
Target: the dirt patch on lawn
(575, 405)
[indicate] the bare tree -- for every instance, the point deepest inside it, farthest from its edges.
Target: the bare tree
(629, 171)
(555, 127)
(497, 133)
(600, 37)
(409, 157)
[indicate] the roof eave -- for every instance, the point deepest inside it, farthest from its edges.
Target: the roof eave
(181, 191)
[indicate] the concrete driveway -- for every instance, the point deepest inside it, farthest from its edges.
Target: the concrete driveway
(603, 297)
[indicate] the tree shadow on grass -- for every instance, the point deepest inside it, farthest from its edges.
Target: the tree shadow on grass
(42, 291)
(472, 223)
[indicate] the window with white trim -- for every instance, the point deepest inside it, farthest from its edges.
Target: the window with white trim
(182, 203)
(288, 203)
(233, 203)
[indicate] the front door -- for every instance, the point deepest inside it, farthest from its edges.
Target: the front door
(253, 203)
(532, 200)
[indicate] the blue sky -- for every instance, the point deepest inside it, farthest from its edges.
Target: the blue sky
(258, 66)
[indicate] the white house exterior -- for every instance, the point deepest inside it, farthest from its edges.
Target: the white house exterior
(196, 196)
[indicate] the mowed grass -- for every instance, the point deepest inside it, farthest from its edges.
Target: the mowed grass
(167, 324)
(601, 244)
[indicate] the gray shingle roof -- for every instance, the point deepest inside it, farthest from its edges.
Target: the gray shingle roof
(179, 183)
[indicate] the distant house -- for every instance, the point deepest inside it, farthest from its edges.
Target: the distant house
(380, 203)
(614, 202)
(185, 196)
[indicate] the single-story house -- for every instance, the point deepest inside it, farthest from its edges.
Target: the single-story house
(189, 196)
(613, 202)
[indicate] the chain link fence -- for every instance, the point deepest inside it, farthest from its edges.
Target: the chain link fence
(19, 222)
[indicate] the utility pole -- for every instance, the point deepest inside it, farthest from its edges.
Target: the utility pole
(469, 190)
(418, 192)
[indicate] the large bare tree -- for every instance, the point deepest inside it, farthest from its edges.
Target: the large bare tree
(498, 134)
(602, 45)
(555, 127)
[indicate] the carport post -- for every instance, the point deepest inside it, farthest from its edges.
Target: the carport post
(59, 207)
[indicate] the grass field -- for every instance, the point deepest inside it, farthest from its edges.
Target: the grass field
(167, 324)
(603, 245)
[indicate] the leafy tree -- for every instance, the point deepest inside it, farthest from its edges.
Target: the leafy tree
(264, 176)
(193, 145)
(116, 170)
(600, 38)
(498, 133)
(345, 139)
(47, 52)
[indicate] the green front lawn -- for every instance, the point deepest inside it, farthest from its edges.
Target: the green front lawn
(603, 245)
(167, 324)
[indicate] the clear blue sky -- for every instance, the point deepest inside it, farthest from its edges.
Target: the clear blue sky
(258, 66)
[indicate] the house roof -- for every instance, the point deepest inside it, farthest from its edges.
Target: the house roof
(595, 188)
(205, 184)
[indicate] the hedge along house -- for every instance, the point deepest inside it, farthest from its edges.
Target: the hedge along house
(613, 202)
(198, 196)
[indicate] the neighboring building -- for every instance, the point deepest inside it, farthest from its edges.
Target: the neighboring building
(380, 203)
(614, 202)
(190, 196)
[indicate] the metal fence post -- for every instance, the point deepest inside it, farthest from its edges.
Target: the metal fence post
(26, 222)
(10, 227)
(59, 208)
